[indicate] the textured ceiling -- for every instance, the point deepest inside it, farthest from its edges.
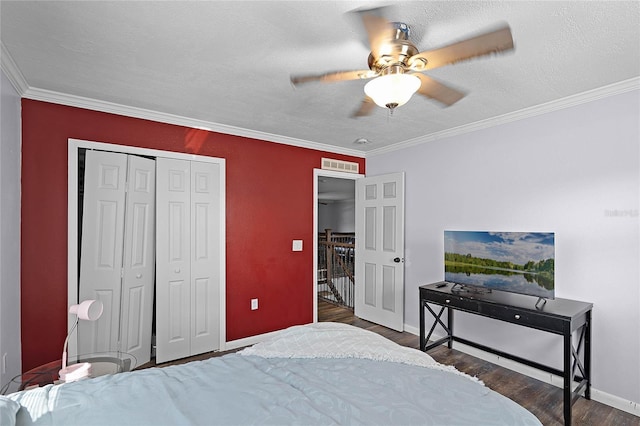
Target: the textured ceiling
(226, 65)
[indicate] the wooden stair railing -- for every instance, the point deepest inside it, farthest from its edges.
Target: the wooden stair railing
(336, 256)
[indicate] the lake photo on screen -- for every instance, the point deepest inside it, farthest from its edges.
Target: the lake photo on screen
(518, 262)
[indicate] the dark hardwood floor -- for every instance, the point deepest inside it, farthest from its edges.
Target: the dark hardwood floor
(542, 399)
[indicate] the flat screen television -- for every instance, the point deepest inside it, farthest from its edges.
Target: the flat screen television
(517, 262)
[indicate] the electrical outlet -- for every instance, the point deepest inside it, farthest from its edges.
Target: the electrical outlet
(254, 304)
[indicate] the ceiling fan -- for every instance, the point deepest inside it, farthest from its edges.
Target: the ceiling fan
(397, 66)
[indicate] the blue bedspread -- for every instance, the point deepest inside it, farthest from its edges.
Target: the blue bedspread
(246, 390)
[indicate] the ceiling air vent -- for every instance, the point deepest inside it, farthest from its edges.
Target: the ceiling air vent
(339, 165)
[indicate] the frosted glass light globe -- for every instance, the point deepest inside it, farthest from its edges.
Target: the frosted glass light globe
(392, 90)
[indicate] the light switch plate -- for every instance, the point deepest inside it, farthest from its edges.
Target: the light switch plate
(297, 245)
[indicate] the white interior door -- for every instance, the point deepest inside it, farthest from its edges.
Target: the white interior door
(102, 245)
(189, 271)
(205, 260)
(173, 259)
(379, 275)
(139, 254)
(111, 176)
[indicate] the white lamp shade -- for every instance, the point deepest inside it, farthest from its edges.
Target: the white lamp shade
(87, 310)
(392, 89)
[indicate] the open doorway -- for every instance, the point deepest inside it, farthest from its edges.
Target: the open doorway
(379, 267)
(334, 239)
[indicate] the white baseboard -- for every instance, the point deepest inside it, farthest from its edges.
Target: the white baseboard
(552, 379)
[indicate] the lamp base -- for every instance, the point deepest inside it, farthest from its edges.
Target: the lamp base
(75, 372)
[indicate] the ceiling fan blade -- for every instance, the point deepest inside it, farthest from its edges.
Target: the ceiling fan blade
(331, 77)
(495, 41)
(366, 108)
(379, 31)
(437, 91)
(357, 21)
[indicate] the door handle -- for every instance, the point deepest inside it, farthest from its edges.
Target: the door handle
(397, 260)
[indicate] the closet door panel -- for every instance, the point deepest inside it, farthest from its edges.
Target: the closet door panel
(178, 312)
(173, 263)
(205, 262)
(102, 248)
(201, 324)
(139, 259)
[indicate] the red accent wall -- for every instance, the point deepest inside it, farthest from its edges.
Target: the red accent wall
(269, 201)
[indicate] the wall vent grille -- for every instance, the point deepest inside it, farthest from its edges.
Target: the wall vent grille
(339, 165)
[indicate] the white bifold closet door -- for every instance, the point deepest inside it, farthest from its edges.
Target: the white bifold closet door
(188, 258)
(117, 253)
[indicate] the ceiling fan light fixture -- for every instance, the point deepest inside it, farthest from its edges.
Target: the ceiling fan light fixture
(392, 90)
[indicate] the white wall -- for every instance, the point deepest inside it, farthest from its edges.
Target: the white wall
(339, 216)
(574, 172)
(9, 231)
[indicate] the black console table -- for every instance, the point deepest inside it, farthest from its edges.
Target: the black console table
(558, 316)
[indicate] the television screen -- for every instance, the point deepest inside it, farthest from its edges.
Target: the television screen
(518, 262)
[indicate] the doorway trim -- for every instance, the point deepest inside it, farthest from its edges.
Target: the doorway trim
(317, 173)
(74, 145)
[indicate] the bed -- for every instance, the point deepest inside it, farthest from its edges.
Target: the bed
(323, 373)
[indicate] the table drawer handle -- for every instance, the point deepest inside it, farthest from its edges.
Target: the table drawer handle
(447, 301)
(517, 317)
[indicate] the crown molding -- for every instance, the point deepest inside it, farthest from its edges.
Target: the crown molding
(569, 101)
(129, 111)
(12, 71)
(20, 84)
